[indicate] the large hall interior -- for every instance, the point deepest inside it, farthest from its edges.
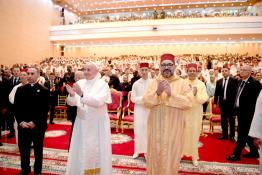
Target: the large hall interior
(121, 37)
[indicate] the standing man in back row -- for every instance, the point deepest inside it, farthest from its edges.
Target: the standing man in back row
(225, 95)
(13, 81)
(168, 97)
(140, 112)
(31, 106)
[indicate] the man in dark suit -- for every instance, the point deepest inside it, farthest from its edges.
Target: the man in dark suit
(245, 103)
(31, 106)
(3, 105)
(225, 94)
(52, 85)
(13, 81)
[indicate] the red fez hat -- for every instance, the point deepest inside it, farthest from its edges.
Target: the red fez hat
(23, 70)
(144, 65)
(194, 65)
(226, 66)
(167, 56)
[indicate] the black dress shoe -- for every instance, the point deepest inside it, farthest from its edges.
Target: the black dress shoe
(232, 139)
(24, 173)
(222, 138)
(251, 155)
(233, 158)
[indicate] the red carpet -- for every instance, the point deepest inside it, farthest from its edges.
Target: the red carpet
(58, 142)
(124, 148)
(10, 171)
(215, 150)
(212, 149)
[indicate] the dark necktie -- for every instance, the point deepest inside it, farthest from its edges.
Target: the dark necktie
(240, 88)
(14, 81)
(224, 89)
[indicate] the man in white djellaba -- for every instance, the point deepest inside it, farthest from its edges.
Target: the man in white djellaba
(90, 150)
(256, 127)
(140, 111)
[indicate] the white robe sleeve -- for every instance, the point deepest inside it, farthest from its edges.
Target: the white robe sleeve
(12, 94)
(256, 126)
(201, 96)
(134, 95)
(73, 100)
(102, 97)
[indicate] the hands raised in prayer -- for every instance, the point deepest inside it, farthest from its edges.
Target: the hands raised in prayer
(194, 91)
(75, 89)
(70, 90)
(163, 86)
(194, 88)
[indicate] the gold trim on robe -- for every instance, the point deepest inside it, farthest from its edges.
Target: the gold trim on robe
(92, 171)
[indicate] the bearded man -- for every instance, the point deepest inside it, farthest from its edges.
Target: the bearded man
(168, 97)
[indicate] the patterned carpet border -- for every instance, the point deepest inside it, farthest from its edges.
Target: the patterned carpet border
(55, 162)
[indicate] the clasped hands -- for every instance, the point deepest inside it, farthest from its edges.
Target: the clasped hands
(163, 86)
(29, 125)
(75, 89)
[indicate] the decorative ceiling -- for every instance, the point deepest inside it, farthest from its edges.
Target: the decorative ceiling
(87, 7)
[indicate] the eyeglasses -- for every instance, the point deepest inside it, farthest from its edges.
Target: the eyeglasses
(244, 70)
(167, 65)
(192, 71)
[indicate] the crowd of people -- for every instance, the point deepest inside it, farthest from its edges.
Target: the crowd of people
(170, 94)
(164, 14)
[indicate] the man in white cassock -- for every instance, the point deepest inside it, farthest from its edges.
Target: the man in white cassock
(90, 150)
(140, 111)
(256, 127)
